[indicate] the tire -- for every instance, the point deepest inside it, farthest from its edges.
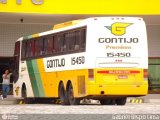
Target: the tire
(107, 102)
(72, 99)
(63, 95)
(24, 95)
(121, 101)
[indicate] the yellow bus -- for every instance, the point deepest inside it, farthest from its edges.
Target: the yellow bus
(100, 58)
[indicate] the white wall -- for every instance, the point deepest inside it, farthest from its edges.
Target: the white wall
(9, 33)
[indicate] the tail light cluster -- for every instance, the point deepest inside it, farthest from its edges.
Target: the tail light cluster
(91, 74)
(145, 74)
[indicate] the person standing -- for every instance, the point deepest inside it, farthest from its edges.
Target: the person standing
(5, 84)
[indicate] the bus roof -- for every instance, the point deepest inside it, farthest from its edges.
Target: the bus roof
(66, 24)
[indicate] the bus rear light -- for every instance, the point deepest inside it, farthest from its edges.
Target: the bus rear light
(91, 74)
(145, 74)
(134, 72)
(103, 72)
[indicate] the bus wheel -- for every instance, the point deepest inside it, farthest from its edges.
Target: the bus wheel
(72, 99)
(62, 95)
(107, 102)
(24, 95)
(121, 101)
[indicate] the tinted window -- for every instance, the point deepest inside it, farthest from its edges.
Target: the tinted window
(55, 43)
(77, 40)
(45, 45)
(66, 42)
(50, 45)
(24, 47)
(40, 47)
(32, 48)
(83, 38)
(71, 41)
(36, 47)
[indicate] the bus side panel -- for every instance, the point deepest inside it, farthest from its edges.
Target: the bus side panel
(51, 80)
(78, 79)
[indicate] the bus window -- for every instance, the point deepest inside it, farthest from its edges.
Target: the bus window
(65, 42)
(32, 48)
(77, 40)
(67, 38)
(24, 49)
(36, 47)
(83, 39)
(50, 45)
(71, 41)
(29, 49)
(40, 46)
(55, 45)
(16, 57)
(17, 50)
(45, 46)
(61, 43)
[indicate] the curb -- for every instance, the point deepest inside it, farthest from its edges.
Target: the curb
(8, 102)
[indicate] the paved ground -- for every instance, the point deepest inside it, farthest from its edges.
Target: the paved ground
(150, 106)
(81, 112)
(143, 108)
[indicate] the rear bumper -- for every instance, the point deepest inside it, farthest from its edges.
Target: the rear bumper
(117, 90)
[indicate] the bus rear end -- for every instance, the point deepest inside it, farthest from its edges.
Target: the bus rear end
(118, 67)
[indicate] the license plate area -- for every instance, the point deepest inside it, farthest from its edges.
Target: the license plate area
(122, 76)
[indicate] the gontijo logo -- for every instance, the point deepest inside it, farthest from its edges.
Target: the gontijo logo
(118, 28)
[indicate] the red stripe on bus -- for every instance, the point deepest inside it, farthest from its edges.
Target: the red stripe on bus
(118, 72)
